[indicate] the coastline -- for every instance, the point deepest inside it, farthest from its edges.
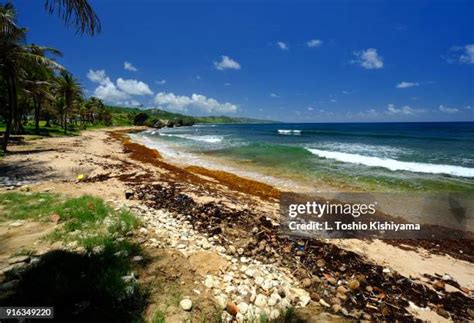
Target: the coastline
(113, 164)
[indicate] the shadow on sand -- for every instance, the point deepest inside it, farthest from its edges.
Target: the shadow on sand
(80, 287)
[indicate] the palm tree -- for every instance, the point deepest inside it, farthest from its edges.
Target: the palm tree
(76, 13)
(69, 90)
(15, 56)
(38, 84)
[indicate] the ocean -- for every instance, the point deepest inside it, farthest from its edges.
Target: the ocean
(382, 157)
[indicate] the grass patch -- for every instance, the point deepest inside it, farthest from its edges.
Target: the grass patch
(18, 206)
(94, 285)
(158, 317)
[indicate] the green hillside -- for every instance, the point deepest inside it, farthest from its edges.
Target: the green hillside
(125, 116)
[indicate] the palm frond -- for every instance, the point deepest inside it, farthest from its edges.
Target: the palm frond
(7, 19)
(40, 60)
(76, 13)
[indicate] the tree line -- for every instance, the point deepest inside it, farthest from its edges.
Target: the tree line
(33, 85)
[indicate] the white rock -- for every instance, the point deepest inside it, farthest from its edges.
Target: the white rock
(260, 300)
(221, 300)
(274, 314)
(274, 299)
(267, 284)
(259, 280)
(143, 231)
(285, 303)
(186, 304)
(228, 277)
(243, 307)
(244, 260)
(209, 282)
(324, 303)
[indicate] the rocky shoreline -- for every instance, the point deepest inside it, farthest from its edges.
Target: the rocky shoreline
(231, 223)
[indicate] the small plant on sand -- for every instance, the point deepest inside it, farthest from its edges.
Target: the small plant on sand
(158, 317)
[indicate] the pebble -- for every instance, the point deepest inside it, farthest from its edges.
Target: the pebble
(221, 300)
(324, 303)
(439, 285)
(306, 282)
(341, 289)
(243, 307)
(320, 263)
(336, 308)
(186, 304)
(354, 284)
(260, 300)
(231, 308)
(137, 258)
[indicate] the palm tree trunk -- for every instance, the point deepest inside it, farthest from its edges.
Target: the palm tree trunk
(37, 116)
(65, 120)
(12, 102)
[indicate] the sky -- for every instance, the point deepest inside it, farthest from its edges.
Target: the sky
(295, 61)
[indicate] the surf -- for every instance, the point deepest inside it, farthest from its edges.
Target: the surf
(394, 165)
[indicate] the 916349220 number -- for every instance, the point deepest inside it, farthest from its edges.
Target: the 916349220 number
(26, 312)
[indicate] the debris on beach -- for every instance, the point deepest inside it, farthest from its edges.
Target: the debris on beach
(342, 281)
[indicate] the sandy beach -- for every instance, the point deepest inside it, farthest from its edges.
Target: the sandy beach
(238, 217)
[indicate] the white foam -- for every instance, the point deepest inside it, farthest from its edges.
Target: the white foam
(289, 132)
(393, 164)
(209, 139)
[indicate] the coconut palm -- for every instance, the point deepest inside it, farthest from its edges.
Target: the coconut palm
(69, 91)
(15, 58)
(75, 13)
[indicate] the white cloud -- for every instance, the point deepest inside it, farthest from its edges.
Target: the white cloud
(405, 85)
(129, 67)
(445, 109)
(405, 110)
(468, 56)
(227, 84)
(226, 63)
(461, 54)
(129, 103)
(274, 95)
(96, 76)
(468, 107)
(282, 45)
(182, 103)
(314, 43)
(133, 87)
(107, 91)
(310, 109)
(120, 92)
(369, 59)
(370, 113)
(160, 82)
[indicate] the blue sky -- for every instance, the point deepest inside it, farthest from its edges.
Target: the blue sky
(301, 61)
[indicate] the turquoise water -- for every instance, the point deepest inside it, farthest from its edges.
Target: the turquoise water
(360, 156)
